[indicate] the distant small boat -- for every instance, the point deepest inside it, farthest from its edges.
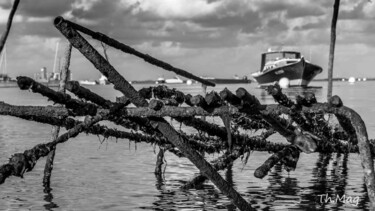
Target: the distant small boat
(160, 80)
(103, 80)
(235, 80)
(351, 80)
(174, 80)
(287, 65)
(87, 82)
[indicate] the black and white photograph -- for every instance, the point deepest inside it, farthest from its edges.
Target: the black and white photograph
(187, 105)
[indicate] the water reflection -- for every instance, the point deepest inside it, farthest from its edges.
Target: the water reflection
(329, 178)
(364, 200)
(172, 197)
(229, 179)
(281, 191)
(101, 189)
(292, 92)
(48, 197)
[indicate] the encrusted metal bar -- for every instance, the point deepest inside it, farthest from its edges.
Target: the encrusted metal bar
(127, 49)
(159, 124)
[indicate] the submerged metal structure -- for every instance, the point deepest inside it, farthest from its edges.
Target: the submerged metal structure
(302, 122)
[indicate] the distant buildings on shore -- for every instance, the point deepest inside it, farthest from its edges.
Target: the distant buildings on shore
(44, 76)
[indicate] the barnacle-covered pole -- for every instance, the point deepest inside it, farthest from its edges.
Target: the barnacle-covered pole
(79, 108)
(56, 129)
(20, 163)
(159, 124)
(127, 49)
(290, 151)
(228, 158)
(83, 93)
(363, 142)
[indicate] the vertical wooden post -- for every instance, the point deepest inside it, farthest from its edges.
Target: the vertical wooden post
(332, 47)
(204, 92)
(65, 73)
(159, 162)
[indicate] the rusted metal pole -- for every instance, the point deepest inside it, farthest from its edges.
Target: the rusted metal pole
(363, 143)
(159, 124)
(336, 7)
(65, 72)
(127, 49)
(20, 163)
(159, 162)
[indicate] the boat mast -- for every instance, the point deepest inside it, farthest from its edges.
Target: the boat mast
(1, 61)
(54, 61)
(4, 56)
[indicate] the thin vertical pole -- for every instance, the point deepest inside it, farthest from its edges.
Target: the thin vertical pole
(55, 60)
(56, 129)
(332, 47)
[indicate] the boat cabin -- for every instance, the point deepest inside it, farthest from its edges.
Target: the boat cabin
(271, 60)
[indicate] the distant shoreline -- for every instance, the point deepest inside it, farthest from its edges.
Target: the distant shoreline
(345, 79)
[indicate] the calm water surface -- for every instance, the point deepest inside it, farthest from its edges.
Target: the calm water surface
(118, 175)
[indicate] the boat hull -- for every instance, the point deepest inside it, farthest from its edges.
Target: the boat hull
(298, 74)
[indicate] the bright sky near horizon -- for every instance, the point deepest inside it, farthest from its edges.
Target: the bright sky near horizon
(218, 38)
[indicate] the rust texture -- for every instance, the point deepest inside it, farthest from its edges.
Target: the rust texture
(127, 49)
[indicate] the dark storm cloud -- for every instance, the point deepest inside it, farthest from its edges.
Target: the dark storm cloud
(212, 1)
(321, 24)
(297, 11)
(137, 27)
(247, 22)
(116, 20)
(132, 25)
(292, 10)
(269, 7)
(275, 25)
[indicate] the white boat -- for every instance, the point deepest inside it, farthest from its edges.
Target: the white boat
(287, 65)
(87, 82)
(103, 80)
(160, 80)
(174, 80)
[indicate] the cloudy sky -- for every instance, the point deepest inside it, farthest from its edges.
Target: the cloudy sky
(217, 38)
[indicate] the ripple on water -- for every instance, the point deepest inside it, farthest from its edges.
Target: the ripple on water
(119, 176)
